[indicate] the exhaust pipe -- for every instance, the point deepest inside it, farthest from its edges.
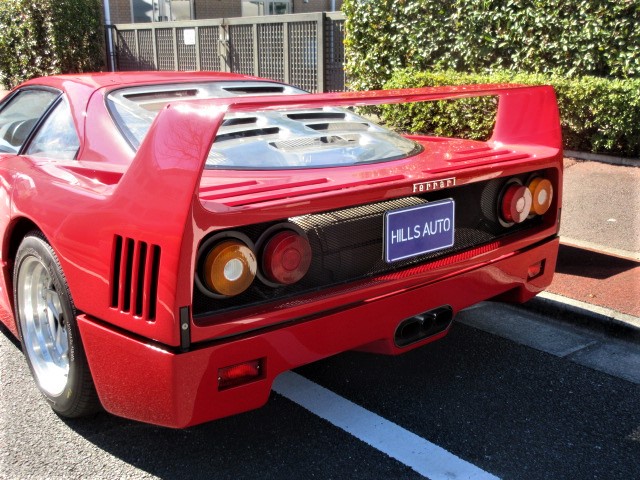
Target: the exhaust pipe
(423, 326)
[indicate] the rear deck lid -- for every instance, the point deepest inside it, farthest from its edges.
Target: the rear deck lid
(266, 140)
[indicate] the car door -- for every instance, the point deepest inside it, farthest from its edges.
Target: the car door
(21, 113)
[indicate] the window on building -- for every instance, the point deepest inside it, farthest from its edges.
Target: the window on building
(161, 10)
(254, 8)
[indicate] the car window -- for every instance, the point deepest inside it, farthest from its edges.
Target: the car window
(20, 115)
(135, 108)
(309, 138)
(57, 137)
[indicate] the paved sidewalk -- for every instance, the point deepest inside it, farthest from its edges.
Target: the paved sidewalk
(598, 278)
(598, 271)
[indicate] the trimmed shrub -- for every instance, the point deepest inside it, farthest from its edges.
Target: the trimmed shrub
(598, 115)
(48, 37)
(581, 37)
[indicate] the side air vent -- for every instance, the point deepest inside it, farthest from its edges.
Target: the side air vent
(134, 279)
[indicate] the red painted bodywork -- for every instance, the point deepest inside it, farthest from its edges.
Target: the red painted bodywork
(160, 195)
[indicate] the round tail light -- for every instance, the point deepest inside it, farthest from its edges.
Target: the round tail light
(229, 268)
(542, 194)
(286, 258)
(516, 203)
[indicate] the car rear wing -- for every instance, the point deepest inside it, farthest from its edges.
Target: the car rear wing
(171, 158)
(158, 195)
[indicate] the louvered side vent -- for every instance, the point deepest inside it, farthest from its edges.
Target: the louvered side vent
(134, 279)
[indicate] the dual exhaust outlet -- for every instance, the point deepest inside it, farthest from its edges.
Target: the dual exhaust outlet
(423, 326)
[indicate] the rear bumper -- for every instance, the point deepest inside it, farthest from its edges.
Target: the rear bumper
(143, 381)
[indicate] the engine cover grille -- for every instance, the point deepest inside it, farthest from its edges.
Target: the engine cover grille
(347, 244)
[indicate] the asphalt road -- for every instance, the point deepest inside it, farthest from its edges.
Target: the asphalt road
(514, 394)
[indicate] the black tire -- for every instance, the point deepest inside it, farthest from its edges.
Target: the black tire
(46, 319)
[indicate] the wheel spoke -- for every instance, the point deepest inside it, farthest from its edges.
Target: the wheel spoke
(61, 342)
(42, 322)
(43, 339)
(53, 304)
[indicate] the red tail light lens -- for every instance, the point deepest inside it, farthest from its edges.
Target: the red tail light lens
(230, 268)
(516, 203)
(286, 258)
(542, 194)
(239, 374)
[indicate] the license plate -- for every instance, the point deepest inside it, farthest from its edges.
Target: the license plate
(414, 231)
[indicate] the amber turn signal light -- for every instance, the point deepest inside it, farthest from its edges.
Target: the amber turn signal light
(229, 268)
(541, 194)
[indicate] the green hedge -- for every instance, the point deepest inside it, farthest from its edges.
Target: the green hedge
(45, 37)
(581, 37)
(598, 115)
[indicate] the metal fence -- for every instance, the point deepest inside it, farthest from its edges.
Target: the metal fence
(305, 50)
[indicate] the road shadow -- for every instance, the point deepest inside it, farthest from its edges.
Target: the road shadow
(589, 264)
(279, 440)
(472, 393)
(7, 333)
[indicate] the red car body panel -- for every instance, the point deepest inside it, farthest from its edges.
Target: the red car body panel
(158, 386)
(146, 368)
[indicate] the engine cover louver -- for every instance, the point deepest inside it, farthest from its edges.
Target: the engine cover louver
(134, 277)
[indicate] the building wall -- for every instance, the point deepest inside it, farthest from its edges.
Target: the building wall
(217, 9)
(121, 9)
(299, 6)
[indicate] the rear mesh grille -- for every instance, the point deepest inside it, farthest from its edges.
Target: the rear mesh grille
(134, 279)
(347, 244)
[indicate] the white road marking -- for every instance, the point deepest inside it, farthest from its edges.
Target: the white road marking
(616, 356)
(408, 448)
(525, 328)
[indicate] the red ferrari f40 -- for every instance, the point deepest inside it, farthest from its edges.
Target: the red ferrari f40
(172, 242)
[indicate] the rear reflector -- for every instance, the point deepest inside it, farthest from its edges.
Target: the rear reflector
(239, 374)
(535, 270)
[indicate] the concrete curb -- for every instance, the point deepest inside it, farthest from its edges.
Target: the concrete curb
(584, 314)
(595, 247)
(596, 157)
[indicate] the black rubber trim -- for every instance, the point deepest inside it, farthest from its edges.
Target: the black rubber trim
(185, 331)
